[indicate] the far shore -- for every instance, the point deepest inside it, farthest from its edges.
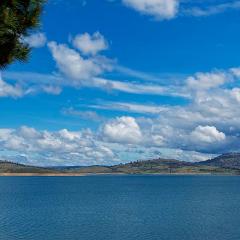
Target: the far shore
(41, 175)
(105, 174)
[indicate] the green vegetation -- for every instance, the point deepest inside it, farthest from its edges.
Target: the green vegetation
(17, 19)
(228, 164)
(229, 160)
(9, 167)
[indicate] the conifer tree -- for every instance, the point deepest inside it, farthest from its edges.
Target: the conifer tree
(17, 19)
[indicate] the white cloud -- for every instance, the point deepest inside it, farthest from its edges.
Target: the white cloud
(57, 80)
(90, 44)
(211, 10)
(122, 130)
(160, 9)
(36, 40)
(207, 134)
(168, 9)
(129, 107)
(212, 101)
(28, 132)
(138, 88)
(54, 148)
(78, 71)
(4, 134)
(212, 116)
(207, 80)
(8, 90)
(87, 115)
(208, 123)
(235, 71)
(235, 92)
(28, 86)
(119, 140)
(74, 66)
(54, 90)
(137, 74)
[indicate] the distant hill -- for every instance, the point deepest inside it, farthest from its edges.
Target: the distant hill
(156, 166)
(10, 167)
(224, 164)
(171, 166)
(228, 160)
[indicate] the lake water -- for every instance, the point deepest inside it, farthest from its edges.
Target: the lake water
(120, 208)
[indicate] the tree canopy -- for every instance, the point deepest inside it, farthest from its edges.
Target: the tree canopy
(17, 19)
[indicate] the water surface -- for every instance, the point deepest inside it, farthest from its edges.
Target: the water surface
(120, 208)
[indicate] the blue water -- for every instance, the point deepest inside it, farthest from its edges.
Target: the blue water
(120, 208)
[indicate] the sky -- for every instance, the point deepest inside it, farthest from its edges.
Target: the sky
(113, 81)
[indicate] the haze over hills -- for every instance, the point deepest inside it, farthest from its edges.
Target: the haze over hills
(224, 164)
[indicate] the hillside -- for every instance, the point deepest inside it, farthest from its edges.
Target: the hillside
(224, 164)
(157, 166)
(228, 160)
(10, 167)
(166, 166)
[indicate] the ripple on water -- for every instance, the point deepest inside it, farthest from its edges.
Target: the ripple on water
(120, 208)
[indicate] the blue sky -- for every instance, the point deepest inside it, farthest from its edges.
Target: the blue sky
(116, 81)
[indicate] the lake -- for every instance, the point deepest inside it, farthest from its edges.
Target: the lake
(120, 208)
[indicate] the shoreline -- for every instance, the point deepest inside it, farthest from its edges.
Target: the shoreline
(40, 175)
(109, 174)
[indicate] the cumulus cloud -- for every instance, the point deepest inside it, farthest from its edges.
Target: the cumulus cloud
(207, 134)
(205, 126)
(86, 71)
(160, 9)
(81, 64)
(28, 132)
(76, 67)
(235, 93)
(30, 146)
(235, 71)
(211, 115)
(90, 44)
(72, 64)
(208, 80)
(122, 130)
(54, 148)
(208, 123)
(36, 40)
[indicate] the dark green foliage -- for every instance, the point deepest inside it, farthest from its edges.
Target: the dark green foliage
(17, 19)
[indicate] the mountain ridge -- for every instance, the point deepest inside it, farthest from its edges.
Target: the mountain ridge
(228, 163)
